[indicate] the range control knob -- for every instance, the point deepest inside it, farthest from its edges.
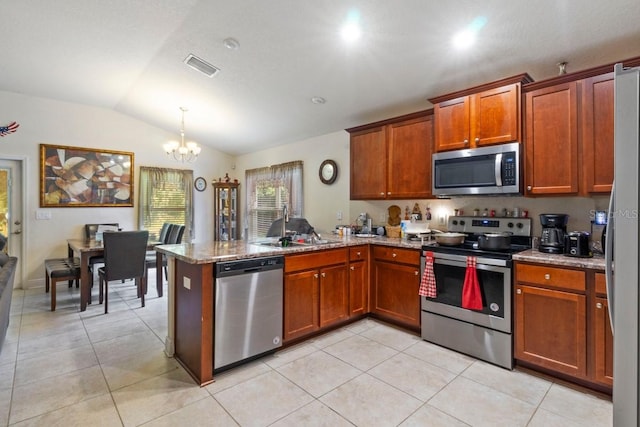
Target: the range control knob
(454, 222)
(510, 224)
(462, 222)
(519, 225)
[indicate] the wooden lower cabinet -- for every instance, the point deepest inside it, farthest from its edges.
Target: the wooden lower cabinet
(394, 285)
(316, 292)
(551, 329)
(603, 336)
(562, 323)
(358, 281)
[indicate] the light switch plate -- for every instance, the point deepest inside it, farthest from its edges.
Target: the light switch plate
(186, 282)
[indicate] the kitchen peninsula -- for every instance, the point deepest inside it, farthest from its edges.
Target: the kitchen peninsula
(191, 288)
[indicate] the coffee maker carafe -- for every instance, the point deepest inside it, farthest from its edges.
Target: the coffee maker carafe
(554, 227)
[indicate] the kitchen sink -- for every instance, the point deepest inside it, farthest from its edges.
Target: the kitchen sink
(292, 244)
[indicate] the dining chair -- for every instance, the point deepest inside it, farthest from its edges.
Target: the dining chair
(90, 231)
(173, 236)
(124, 258)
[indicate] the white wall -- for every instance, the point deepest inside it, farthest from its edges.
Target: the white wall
(59, 123)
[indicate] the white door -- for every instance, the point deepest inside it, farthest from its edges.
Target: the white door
(11, 211)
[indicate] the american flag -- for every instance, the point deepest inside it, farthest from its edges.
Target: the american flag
(10, 128)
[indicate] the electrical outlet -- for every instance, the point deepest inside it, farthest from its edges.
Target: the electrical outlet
(442, 220)
(383, 218)
(186, 282)
(339, 215)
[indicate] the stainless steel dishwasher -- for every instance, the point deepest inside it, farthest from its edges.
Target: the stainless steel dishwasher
(248, 309)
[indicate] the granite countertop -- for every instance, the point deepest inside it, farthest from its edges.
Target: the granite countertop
(534, 255)
(216, 251)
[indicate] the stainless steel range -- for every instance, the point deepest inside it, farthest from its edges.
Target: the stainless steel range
(484, 333)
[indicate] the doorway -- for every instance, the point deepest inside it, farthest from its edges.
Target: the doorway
(11, 212)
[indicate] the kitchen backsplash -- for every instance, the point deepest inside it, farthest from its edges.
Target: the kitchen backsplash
(580, 209)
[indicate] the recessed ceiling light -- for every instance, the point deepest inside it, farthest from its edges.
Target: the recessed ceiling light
(318, 100)
(467, 37)
(231, 43)
(351, 30)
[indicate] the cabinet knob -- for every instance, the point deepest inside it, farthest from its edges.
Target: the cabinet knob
(388, 193)
(599, 305)
(352, 268)
(477, 139)
(529, 188)
(416, 273)
(315, 276)
(324, 274)
(394, 255)
(518, 291)
(382, 193)
(358, 254)
(466, 141)
(547, 276)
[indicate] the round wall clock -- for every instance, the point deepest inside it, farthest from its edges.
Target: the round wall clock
(328, 172)
(200, 183)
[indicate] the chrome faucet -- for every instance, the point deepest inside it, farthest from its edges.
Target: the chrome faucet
(285, 219)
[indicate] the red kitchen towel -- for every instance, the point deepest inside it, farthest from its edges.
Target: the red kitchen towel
(428, 282)
(471, 296)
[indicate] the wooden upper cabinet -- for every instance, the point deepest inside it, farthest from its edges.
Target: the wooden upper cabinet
(485, 115)
(597, 133)
(410, 142)
(453, 124)
(368, 152)
(392, 159)
(495, 116)
(551, 127)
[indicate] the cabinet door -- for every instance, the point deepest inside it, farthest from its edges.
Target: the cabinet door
(603, 355)
(550, 329)
(410, 147)
(358, 288)
(597, 133)
(301, 303)
(452, 124)
(495, 116)
(368, 164)
(334, 295)
(551, 165)
(394, 293)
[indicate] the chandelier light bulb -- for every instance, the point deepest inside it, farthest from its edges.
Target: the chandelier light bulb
(181, 151)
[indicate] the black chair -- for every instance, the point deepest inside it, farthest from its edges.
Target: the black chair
(173, 236)
(124, 258)
(90, 231)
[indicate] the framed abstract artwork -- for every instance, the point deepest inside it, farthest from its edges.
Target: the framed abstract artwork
(85, 177)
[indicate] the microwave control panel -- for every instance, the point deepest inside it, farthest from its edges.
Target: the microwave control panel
(509, 172)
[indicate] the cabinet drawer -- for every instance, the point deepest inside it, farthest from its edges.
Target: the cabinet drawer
(403, 256)
(359, 253)
(550, 276)
(601, 284)
(315, 260)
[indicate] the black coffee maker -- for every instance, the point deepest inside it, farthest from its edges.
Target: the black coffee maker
(554, 227)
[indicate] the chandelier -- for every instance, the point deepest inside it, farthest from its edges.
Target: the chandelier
(181, 151)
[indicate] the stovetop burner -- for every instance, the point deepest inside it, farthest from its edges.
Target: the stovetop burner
(476, 226)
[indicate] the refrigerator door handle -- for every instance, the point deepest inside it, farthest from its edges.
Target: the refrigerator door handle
(608, 256)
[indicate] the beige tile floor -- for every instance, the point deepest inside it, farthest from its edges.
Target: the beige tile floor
(69, 368)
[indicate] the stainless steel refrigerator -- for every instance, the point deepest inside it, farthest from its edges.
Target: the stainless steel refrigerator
(622, 248)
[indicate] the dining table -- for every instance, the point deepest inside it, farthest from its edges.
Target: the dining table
(95, 248)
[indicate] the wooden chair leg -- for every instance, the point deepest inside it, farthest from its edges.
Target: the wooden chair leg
(46, 283)
(53, 295)
(106, 295)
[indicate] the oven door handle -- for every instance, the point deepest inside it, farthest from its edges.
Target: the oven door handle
(462, 260)
(479, 266)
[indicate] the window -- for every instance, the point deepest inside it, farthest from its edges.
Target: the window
(268, 189)
(165, 196)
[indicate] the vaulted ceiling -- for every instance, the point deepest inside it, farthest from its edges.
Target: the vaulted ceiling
(129, 56)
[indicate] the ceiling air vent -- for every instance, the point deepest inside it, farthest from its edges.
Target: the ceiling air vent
(200, 65)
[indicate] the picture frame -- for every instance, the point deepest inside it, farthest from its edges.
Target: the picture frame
(85, 177)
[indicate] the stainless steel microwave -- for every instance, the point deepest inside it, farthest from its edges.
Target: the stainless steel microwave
(484, 170)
